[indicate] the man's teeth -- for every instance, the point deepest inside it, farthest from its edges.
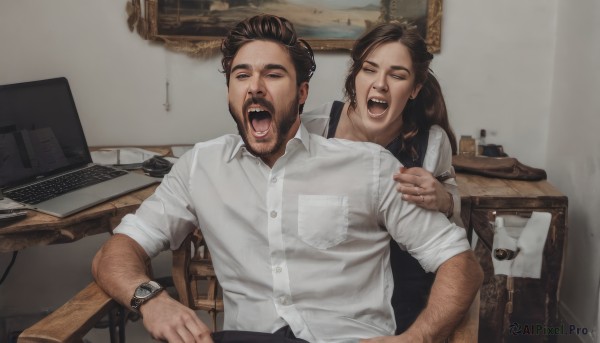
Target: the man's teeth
(255, 110)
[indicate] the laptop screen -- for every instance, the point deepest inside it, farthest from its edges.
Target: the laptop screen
(40, 131)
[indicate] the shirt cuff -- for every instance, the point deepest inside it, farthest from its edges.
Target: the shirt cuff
(447, 244)
(134, 229)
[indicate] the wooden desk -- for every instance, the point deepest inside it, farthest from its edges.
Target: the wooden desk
(507, 300)
(43, 229)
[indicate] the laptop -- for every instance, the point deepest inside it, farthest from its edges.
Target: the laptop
(45, 162)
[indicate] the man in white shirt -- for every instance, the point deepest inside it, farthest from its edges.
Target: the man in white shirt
(290, 249)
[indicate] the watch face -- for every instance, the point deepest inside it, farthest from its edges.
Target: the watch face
(143, 291)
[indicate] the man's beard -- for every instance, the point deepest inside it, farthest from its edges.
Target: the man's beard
(290, 114)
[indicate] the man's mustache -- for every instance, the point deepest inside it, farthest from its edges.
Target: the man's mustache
(259, 101)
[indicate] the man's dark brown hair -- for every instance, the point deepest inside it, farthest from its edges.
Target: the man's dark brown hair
(272, 28)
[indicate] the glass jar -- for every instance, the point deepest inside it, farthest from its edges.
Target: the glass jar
(467, 146)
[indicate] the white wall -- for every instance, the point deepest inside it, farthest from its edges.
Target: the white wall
(573, 153)
(118, 79)
(496, 67)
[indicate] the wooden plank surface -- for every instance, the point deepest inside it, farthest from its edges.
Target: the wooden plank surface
(503, 193)
(73, 320)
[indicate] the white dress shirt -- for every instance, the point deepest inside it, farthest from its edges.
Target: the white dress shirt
(437, 160)
(303, 243)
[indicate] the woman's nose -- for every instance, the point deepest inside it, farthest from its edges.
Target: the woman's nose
(380, 83)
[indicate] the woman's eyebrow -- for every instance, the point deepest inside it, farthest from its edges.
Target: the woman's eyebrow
(400, 68)
(394, 67)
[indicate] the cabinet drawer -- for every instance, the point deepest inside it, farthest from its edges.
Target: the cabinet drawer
(510, 304)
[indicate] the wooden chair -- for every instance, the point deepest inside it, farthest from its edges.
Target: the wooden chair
(192, 271)
(71, 321)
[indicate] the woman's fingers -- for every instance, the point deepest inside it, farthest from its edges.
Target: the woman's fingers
(417, 186)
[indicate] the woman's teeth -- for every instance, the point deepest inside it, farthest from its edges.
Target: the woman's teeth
(377, 107)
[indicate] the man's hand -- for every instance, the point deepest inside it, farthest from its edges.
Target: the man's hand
(168, 320)
(120, 267)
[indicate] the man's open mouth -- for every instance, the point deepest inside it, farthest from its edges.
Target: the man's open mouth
(377, 107)
(260, 121)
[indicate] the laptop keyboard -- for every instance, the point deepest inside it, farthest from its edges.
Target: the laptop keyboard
(51, 188)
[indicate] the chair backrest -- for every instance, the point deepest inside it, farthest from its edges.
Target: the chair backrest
(194, 277)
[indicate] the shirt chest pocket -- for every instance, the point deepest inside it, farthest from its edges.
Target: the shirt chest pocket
(322, 220)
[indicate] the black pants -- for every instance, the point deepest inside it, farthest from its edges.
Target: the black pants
(283, 335)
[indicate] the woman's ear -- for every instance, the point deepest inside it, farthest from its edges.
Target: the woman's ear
(416, 91)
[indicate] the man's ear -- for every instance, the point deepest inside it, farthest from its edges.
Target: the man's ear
(302, 93)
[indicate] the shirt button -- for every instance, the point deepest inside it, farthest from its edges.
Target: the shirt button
(278, 270)
(273, 214)
(274, 180)
(283, 300)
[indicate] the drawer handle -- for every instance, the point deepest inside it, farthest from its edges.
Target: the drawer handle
(505, 254)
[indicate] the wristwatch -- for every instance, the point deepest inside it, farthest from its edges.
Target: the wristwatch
(145, 292)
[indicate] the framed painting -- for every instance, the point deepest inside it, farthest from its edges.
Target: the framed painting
(326, 24)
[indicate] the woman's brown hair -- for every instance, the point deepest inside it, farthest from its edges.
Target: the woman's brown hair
(429, 107)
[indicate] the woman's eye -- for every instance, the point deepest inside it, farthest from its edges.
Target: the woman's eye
(399, 77)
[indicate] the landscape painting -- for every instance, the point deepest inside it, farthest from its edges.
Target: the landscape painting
(325, 23)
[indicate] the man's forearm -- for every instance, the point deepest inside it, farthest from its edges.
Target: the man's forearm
(119, 267)
(456, 284)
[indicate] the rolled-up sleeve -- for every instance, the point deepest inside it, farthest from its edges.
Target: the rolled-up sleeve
(166, 217)
(427, 235)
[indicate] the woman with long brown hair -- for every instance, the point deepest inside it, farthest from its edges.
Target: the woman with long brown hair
(394, 100)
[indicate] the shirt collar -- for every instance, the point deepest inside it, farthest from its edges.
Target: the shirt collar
(302, 135)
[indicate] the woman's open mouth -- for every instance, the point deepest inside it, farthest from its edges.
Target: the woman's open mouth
(376, 107)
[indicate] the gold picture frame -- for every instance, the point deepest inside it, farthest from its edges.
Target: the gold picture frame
(197, 26)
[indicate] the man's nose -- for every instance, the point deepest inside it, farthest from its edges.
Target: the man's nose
(256, 86)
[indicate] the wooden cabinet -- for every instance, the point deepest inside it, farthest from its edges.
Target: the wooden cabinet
(515, 309)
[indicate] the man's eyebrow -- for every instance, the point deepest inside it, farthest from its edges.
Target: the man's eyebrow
(270, 66)
(273, 66)
(240, 66)
(391, 67)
